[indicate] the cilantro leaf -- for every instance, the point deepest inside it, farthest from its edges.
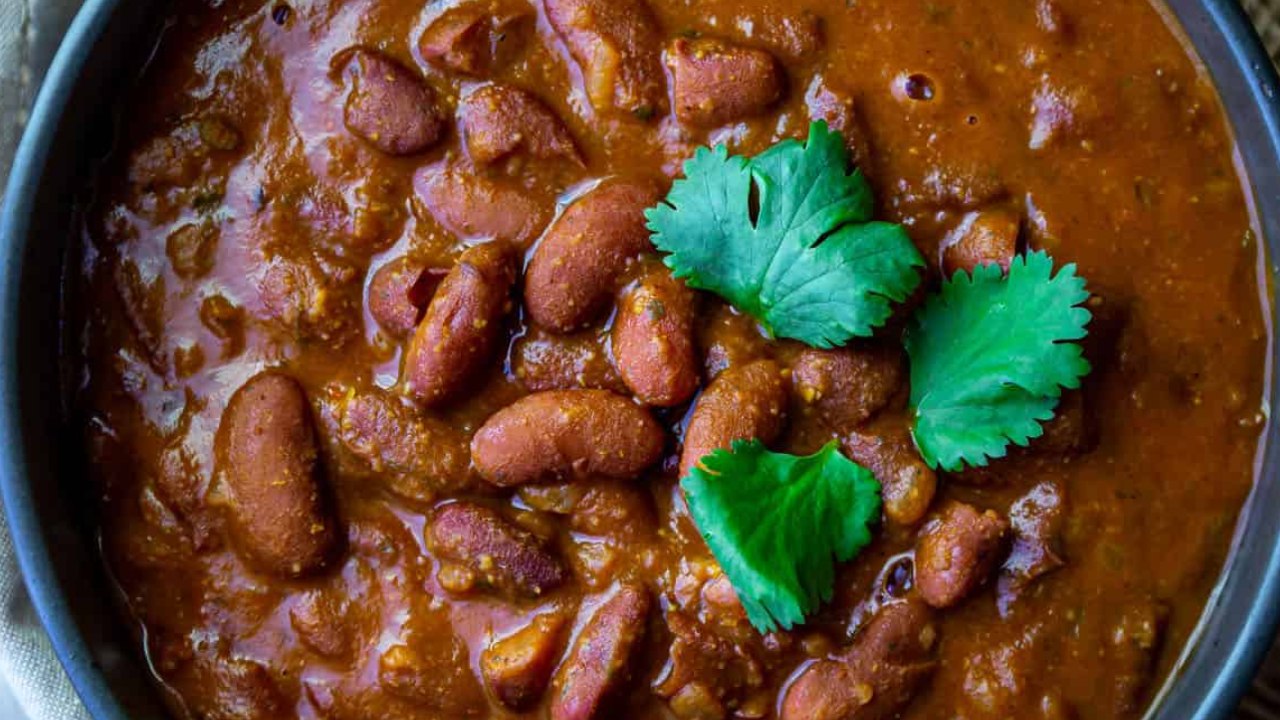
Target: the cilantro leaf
(990, 355)
(778, 524)
(787, 237)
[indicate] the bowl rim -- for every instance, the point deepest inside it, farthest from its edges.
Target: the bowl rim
(33, 552)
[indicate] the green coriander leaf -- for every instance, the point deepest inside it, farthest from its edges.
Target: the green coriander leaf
(990, 355)
(778, 524)
(787, 237)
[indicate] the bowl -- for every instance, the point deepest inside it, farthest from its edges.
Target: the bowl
(49, 510)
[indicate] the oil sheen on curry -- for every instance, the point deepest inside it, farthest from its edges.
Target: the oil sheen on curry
(572, 359)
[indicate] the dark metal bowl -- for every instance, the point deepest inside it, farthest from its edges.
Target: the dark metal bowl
(49, 508)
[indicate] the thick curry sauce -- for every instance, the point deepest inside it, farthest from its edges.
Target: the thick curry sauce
(346, 474)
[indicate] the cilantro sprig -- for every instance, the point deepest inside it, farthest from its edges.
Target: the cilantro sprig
(787, 237)
(990, 355)
(778, 524)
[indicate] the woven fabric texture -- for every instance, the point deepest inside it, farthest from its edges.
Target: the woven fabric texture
(29, 33)
(1266, 16)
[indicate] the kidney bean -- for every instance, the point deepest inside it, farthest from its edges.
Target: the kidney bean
(720, 602)
(615, 43)
(614, 510)
(958, 183)
(462, 327)
(599, 662)
(847, 386)
(398, 293)
(795, 36)
(982, 237)
(416, 457)
(308, 300)
(1136, 640)
(500, 120)
(235, 689)
(545, 361)
(467, 38)
(320, 620)
(1036, 520)
(565, 434)
(653, 339)
(957, 551)
(574, 272)
(836, 107)
(727, 338)
(389, 105)
(1062, 113)
(707, 671)
(716, 83)
(742, 403)
(503, 555)
(876, 677)
(279, 512)
(474, 207)
(518, 667)
(907, 484)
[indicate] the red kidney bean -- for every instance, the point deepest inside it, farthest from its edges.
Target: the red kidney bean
(279, 513)
(653, 339)
(1036, 520)
(463, 325)
(244, 685)
(876, 677)
(957, 551)
(518, 667)
(417, 457)
(475, 207)
(847, 386)
(600, 660)
(836, 106)
(566, 434)
(982, 237)
(389, 105)
(502, 555)
(500, 120)
(574, 272)
(743, 402)
(470, 38)
(907, 483)
(615, 43)
(399, 292)
(716, 83)
(319, 619)
(545, 361)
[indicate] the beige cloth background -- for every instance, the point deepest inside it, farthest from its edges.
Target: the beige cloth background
(32, 683)
(36, 686)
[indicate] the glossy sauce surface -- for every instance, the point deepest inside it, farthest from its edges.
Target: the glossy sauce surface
(264, 176)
